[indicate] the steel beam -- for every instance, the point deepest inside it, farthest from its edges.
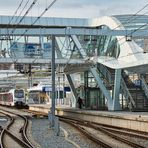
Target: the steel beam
(116, 103)
(79, 47)
(40, 61)
(71, 31)
(73, 90)
(102, 87)
(58, 51)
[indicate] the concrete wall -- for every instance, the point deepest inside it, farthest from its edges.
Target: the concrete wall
(134, 122)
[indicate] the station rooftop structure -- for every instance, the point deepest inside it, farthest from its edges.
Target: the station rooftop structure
(121, 27)
(117, 42)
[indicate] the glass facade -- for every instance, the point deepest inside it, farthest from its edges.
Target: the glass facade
(94, 98)
(67, 48)
(100, 46)
(93, 46)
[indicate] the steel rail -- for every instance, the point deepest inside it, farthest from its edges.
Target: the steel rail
(124, 131)
(131, 132)
(107, 129)
(87, 134)
(23, 129)
(19, 141)
(100, 128)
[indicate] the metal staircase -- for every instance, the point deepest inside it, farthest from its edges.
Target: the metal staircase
(144, 86)
(139, 95)
(129, 101)
(132, 97)
(108, 76)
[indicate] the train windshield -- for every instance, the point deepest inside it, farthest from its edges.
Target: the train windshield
(19, 93)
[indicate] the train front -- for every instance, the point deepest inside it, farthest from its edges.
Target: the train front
(19, 97)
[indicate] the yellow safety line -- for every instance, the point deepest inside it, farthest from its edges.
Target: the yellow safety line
(66, 138)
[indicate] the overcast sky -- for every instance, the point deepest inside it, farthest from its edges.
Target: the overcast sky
(76, 8)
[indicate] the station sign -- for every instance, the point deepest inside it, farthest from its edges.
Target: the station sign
(46, 89)
(67, 89)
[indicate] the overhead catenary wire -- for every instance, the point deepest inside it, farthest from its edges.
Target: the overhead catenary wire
(16, 11)
(37, 20)
(46, 9)
(130, 34)
(16, 20)
(34, 22)
(131, 18)
(49, 6)
(28, 10)
(30, 7)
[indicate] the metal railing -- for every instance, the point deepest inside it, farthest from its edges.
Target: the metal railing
(106, 73)
(127, 94)
(144, 86)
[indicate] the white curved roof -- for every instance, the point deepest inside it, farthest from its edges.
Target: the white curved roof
(131, 54)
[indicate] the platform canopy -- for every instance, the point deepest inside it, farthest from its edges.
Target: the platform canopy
(115, 41)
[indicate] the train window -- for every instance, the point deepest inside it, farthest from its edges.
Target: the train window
(19, 93)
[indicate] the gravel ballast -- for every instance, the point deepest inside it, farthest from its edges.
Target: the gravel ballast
(46, 137)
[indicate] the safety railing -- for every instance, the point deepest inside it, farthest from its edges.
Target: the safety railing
(127, 94)
(144, 86)
(106, 73)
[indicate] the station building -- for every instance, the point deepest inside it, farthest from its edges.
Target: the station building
(103, 60)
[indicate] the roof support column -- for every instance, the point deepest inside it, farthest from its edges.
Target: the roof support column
(102, 87)
(74, 100)
(41, 39)
(58, 51)
(116, 103)
(78, 45)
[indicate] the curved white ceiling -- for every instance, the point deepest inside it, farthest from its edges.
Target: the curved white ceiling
(130, 53)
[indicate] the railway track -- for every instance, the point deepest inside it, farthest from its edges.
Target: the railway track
(88, 134)
(14, 134)
(111, 132)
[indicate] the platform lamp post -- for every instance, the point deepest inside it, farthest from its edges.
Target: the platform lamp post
(53, 82)
(54, 121)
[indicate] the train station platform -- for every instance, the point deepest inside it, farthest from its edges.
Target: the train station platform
(129, 120)
(45, 108)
